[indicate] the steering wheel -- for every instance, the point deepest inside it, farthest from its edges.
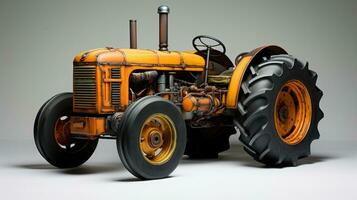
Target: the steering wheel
(204, 42)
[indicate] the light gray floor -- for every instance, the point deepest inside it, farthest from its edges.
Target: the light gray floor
(330, 173)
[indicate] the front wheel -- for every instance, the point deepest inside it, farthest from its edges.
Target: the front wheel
(151, 138)
(279, 110)
(52, 134)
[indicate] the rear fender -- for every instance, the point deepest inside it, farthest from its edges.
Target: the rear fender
(240, 70)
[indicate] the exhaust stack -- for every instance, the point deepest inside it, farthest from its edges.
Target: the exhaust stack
(163, 27)
(133, 34)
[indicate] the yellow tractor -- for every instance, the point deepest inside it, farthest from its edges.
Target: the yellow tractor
(161, 104)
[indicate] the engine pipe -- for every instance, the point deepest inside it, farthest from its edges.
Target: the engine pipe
(133, 34)
(161, 82)
(163, 27)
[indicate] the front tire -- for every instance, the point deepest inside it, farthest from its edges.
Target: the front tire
(52, 134)
(151, 138)
(279, 110)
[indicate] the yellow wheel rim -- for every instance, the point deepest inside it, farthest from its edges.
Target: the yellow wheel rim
(158, 139)
(292, 112)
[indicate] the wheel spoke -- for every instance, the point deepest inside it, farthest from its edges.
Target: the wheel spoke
(216, 45)
(200, 38)
(150, 154)
(68, 146)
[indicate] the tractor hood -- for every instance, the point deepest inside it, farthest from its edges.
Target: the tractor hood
(142, 57)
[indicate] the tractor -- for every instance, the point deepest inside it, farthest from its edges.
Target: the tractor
(160, 105)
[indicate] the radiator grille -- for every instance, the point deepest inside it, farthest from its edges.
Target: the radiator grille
(116, 73)
(115, 88)
(84, 88)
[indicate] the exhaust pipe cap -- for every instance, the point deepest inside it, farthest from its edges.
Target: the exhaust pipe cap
(163, 9)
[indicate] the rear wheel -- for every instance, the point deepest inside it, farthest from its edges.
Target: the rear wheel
(279, 110)
(151, 138)
(52, 134)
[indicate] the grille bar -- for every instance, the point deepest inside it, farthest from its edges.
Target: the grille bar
(84, 88)
(115, 88)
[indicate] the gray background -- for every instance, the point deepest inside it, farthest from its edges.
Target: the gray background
(38, 40)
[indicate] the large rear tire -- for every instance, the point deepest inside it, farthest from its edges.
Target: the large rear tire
(52, 134)
(279, 110)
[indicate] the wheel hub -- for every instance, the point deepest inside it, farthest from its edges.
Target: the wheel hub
(158, 139)
(293, 112)
(283, 113)
(155, 139)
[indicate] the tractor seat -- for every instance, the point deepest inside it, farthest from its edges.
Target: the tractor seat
(221, 79)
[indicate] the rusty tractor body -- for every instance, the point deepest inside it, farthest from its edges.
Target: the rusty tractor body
(161, 104)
